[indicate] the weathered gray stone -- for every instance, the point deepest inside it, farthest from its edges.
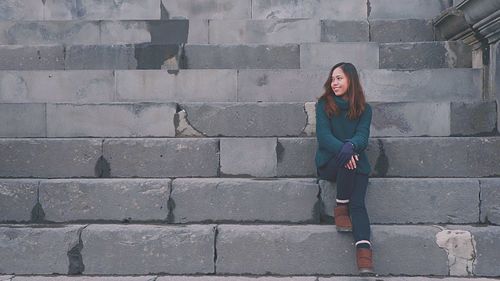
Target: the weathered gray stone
(435, 157)
(320, 9)
(234, 278)
(56, 86)
(105, 199)
(81, 57)
(146, 249)
(241, 56)
(344, 31)
(153, 31)
(432, 200)
(148, 85)
(18, 57)
(490, 201)
(208, 9)
(277, 31)
(422, 85)
(247, 119)
(473, 118)
(86, 278)
(182, 126)
(21, 10)
(425, 55)
(315, 249)
(37, 250)
(49, 32)
(410, 30)
(401, 278)
(495, 77)
(410, 119)
(102, 10)
(22, 120)
(49, 158)
(460, 247)
(245, 200)
(255, 157)
(111, 120)
(198, 31)
(17, 199)
(487, 248)
(296, 156)
(406, 9)
(325, 55)
(162, 157)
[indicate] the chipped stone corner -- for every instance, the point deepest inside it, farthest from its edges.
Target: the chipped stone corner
(182, 126)
(310, 128)
(461, 249)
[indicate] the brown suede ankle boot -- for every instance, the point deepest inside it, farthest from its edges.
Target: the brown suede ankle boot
(342, 219)
(364, 261)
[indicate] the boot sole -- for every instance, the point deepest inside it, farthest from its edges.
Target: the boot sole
(366, 272)
(343, 229)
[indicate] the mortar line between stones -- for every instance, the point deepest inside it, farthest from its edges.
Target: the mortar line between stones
(208, 31)
(480, 202)
(216, 233)
(46, 121)
(251, 9)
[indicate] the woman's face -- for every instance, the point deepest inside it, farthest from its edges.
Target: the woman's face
(340, 83)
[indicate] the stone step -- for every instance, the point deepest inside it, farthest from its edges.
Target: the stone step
(238, 200)
(268, 250)
(248, 119)
(226, 278)
(34, 10)
(367, 55)
(239, 157)
(217, 85)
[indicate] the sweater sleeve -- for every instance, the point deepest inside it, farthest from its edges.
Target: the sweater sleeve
(326, 139)
(362, 133)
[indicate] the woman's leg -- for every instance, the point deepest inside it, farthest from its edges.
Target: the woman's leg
(359, 215)
(345, 185)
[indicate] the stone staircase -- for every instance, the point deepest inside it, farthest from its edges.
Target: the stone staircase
(175, 140)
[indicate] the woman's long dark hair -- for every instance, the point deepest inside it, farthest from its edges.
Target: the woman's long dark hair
(355, 94)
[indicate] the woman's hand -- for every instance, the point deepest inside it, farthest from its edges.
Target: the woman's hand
(351, 165)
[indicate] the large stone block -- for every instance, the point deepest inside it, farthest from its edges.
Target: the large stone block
(111, 120)
(425, 55)
(278, 31)
(234, 278)
(406, 9)
(320, 9)
(198, 31)
(49, 32)
(267, 85)
(490, 200)
(432, 201)
(410, 119)
(254, 157)
(56, 86)
(86, 278)
(296, 157)
(49, 158)
(315, 249)
(422, 85)
(325, 55)
(241, 56)
(147, 249)
(435, 157)
(247, 119)
(17, 199)
(102, 10)
(245, 200)
(15, 10)
(23, 120)
(19, 57)
(162, 157)
(207, 9)
(153, 85)
(152, 31)
(410, 30)
(344, 31)
(473, 118)
(486, 250)
(105, 199)
(80, 57)
(37, 250)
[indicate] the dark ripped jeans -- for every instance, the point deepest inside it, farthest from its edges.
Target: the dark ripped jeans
(350, 186)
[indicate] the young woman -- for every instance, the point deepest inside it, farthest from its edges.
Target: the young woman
(342, 128)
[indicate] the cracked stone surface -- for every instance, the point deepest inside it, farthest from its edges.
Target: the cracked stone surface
(461, 249)
(310, 129)
(183, 128)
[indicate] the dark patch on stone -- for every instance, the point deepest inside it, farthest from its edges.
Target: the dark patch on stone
(78, 9)
(320, 205)
(216, 234)
(382, 164)
(170, 207)
(43, 2)
(165, 15)
(154, 56)
(12, 234)
(261, 81)
(387, 116)
(172, 71)
(169, 32)
(76, 266)
(37, 213)
(138, 108)
(102, 168)
(318, 208)
(368, 8)
(280, 151)
(176, 123)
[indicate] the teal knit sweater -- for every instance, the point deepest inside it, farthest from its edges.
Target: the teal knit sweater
(333, 132)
